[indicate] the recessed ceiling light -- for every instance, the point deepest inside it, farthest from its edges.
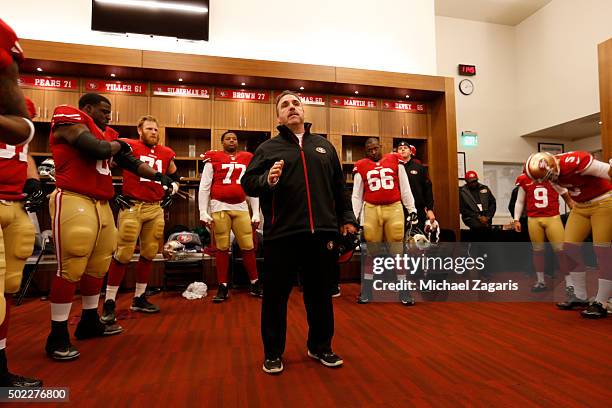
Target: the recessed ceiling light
(407, 96)
(600, 122)
(301, 88)
(180, 80)
(113, 75)
(243, 83)
(39, 69)
(356, 92)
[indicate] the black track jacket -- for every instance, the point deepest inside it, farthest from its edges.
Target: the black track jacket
(309, 196)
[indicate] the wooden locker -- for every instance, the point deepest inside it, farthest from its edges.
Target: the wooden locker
(255, 116)
(129, 109)
(317, 115)
(38, 97)
(342, 121)
(228, 115)
(367, 122)
(392, 124)
(196, 113)
(166, 110)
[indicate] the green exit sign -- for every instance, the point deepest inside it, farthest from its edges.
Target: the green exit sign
(469, 139)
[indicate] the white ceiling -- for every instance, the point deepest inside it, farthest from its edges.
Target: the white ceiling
(507, 12)
(573, 130)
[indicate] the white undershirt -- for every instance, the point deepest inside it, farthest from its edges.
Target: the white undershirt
(300, 136)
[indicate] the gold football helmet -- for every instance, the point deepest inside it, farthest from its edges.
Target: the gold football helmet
(542, 167)
(174, 251)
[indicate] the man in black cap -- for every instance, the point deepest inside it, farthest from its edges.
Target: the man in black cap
(477, 205)
(420, 184)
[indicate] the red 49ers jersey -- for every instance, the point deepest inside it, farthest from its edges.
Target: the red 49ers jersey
(541, 198)
(380, 179)
(227, 172)
(74, 171)
(159, 158)
(13, 171)
(580, 187)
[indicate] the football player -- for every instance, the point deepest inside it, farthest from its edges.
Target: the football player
(16, 128)
(380, 187)
(588, 183)
(141, 216)
(223, 208)
(543, 220)
(84, 232)
(19, 188)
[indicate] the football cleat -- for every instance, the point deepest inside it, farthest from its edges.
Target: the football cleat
(595, 311)
(222, 294)
(539, 287)
(90, 328)
(406, 298)
(58, 345)
(572, 301)
(17, 381)
(256, 289)
(108, 312)
(141, 304)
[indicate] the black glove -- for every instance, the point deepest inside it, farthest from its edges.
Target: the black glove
(413, 218)
(166, 201)
(167, 183)
(35, 196)
(123, 202)
(125, 147)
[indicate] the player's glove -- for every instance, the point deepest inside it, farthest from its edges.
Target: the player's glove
(125, 147)
(35, 196)
(412, 218)
(123, 202)
(167, 183)
(166, 201)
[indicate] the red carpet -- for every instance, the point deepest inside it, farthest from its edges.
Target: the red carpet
(196, 353)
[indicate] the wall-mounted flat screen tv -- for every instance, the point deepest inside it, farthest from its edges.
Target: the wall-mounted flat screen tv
(187, 19)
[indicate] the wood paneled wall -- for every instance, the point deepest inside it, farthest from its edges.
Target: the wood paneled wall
(442, 153)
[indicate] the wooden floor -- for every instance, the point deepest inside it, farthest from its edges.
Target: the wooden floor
(196, 353)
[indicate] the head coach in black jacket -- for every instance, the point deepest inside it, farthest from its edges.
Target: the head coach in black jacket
(298, 178)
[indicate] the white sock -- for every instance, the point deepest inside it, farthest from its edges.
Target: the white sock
(579, 281)
(140, 289)
(60, 311)
(540, 276)
(111, 292)
(604, 291)
(3, 344)
(90, 302)
(568, 281)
